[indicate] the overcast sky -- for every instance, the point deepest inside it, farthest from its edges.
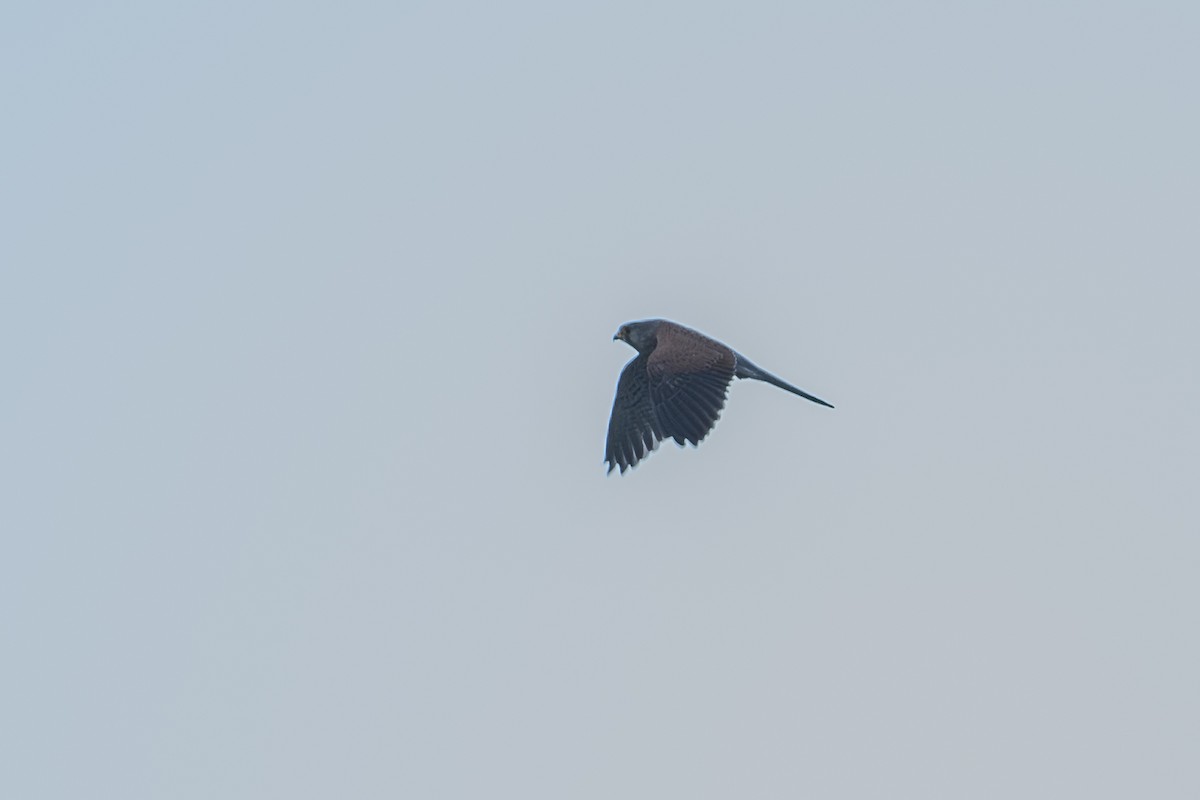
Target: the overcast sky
(306, 317)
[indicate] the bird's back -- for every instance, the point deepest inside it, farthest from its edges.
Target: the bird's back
(687, 350)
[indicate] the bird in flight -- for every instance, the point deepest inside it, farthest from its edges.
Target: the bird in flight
(675, 388)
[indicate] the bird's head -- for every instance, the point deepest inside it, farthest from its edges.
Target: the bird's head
(641, 336)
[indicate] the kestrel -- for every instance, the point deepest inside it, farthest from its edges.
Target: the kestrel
(675, 388)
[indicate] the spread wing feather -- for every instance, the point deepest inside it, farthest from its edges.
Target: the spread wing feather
(689, 375)
(633, 429)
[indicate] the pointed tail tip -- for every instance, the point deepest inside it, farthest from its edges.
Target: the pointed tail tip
(811, 397)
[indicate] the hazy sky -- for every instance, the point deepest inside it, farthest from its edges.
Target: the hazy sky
(306, 314)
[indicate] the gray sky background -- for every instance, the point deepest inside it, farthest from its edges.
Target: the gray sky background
(306, 316)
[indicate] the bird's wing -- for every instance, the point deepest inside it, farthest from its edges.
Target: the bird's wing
(689, 375)
(633, 429)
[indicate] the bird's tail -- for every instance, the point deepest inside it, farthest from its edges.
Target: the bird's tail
(747, 369)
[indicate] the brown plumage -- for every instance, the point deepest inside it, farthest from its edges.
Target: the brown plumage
(674, 389)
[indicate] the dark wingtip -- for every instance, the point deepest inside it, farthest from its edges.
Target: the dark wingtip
(614, 464)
